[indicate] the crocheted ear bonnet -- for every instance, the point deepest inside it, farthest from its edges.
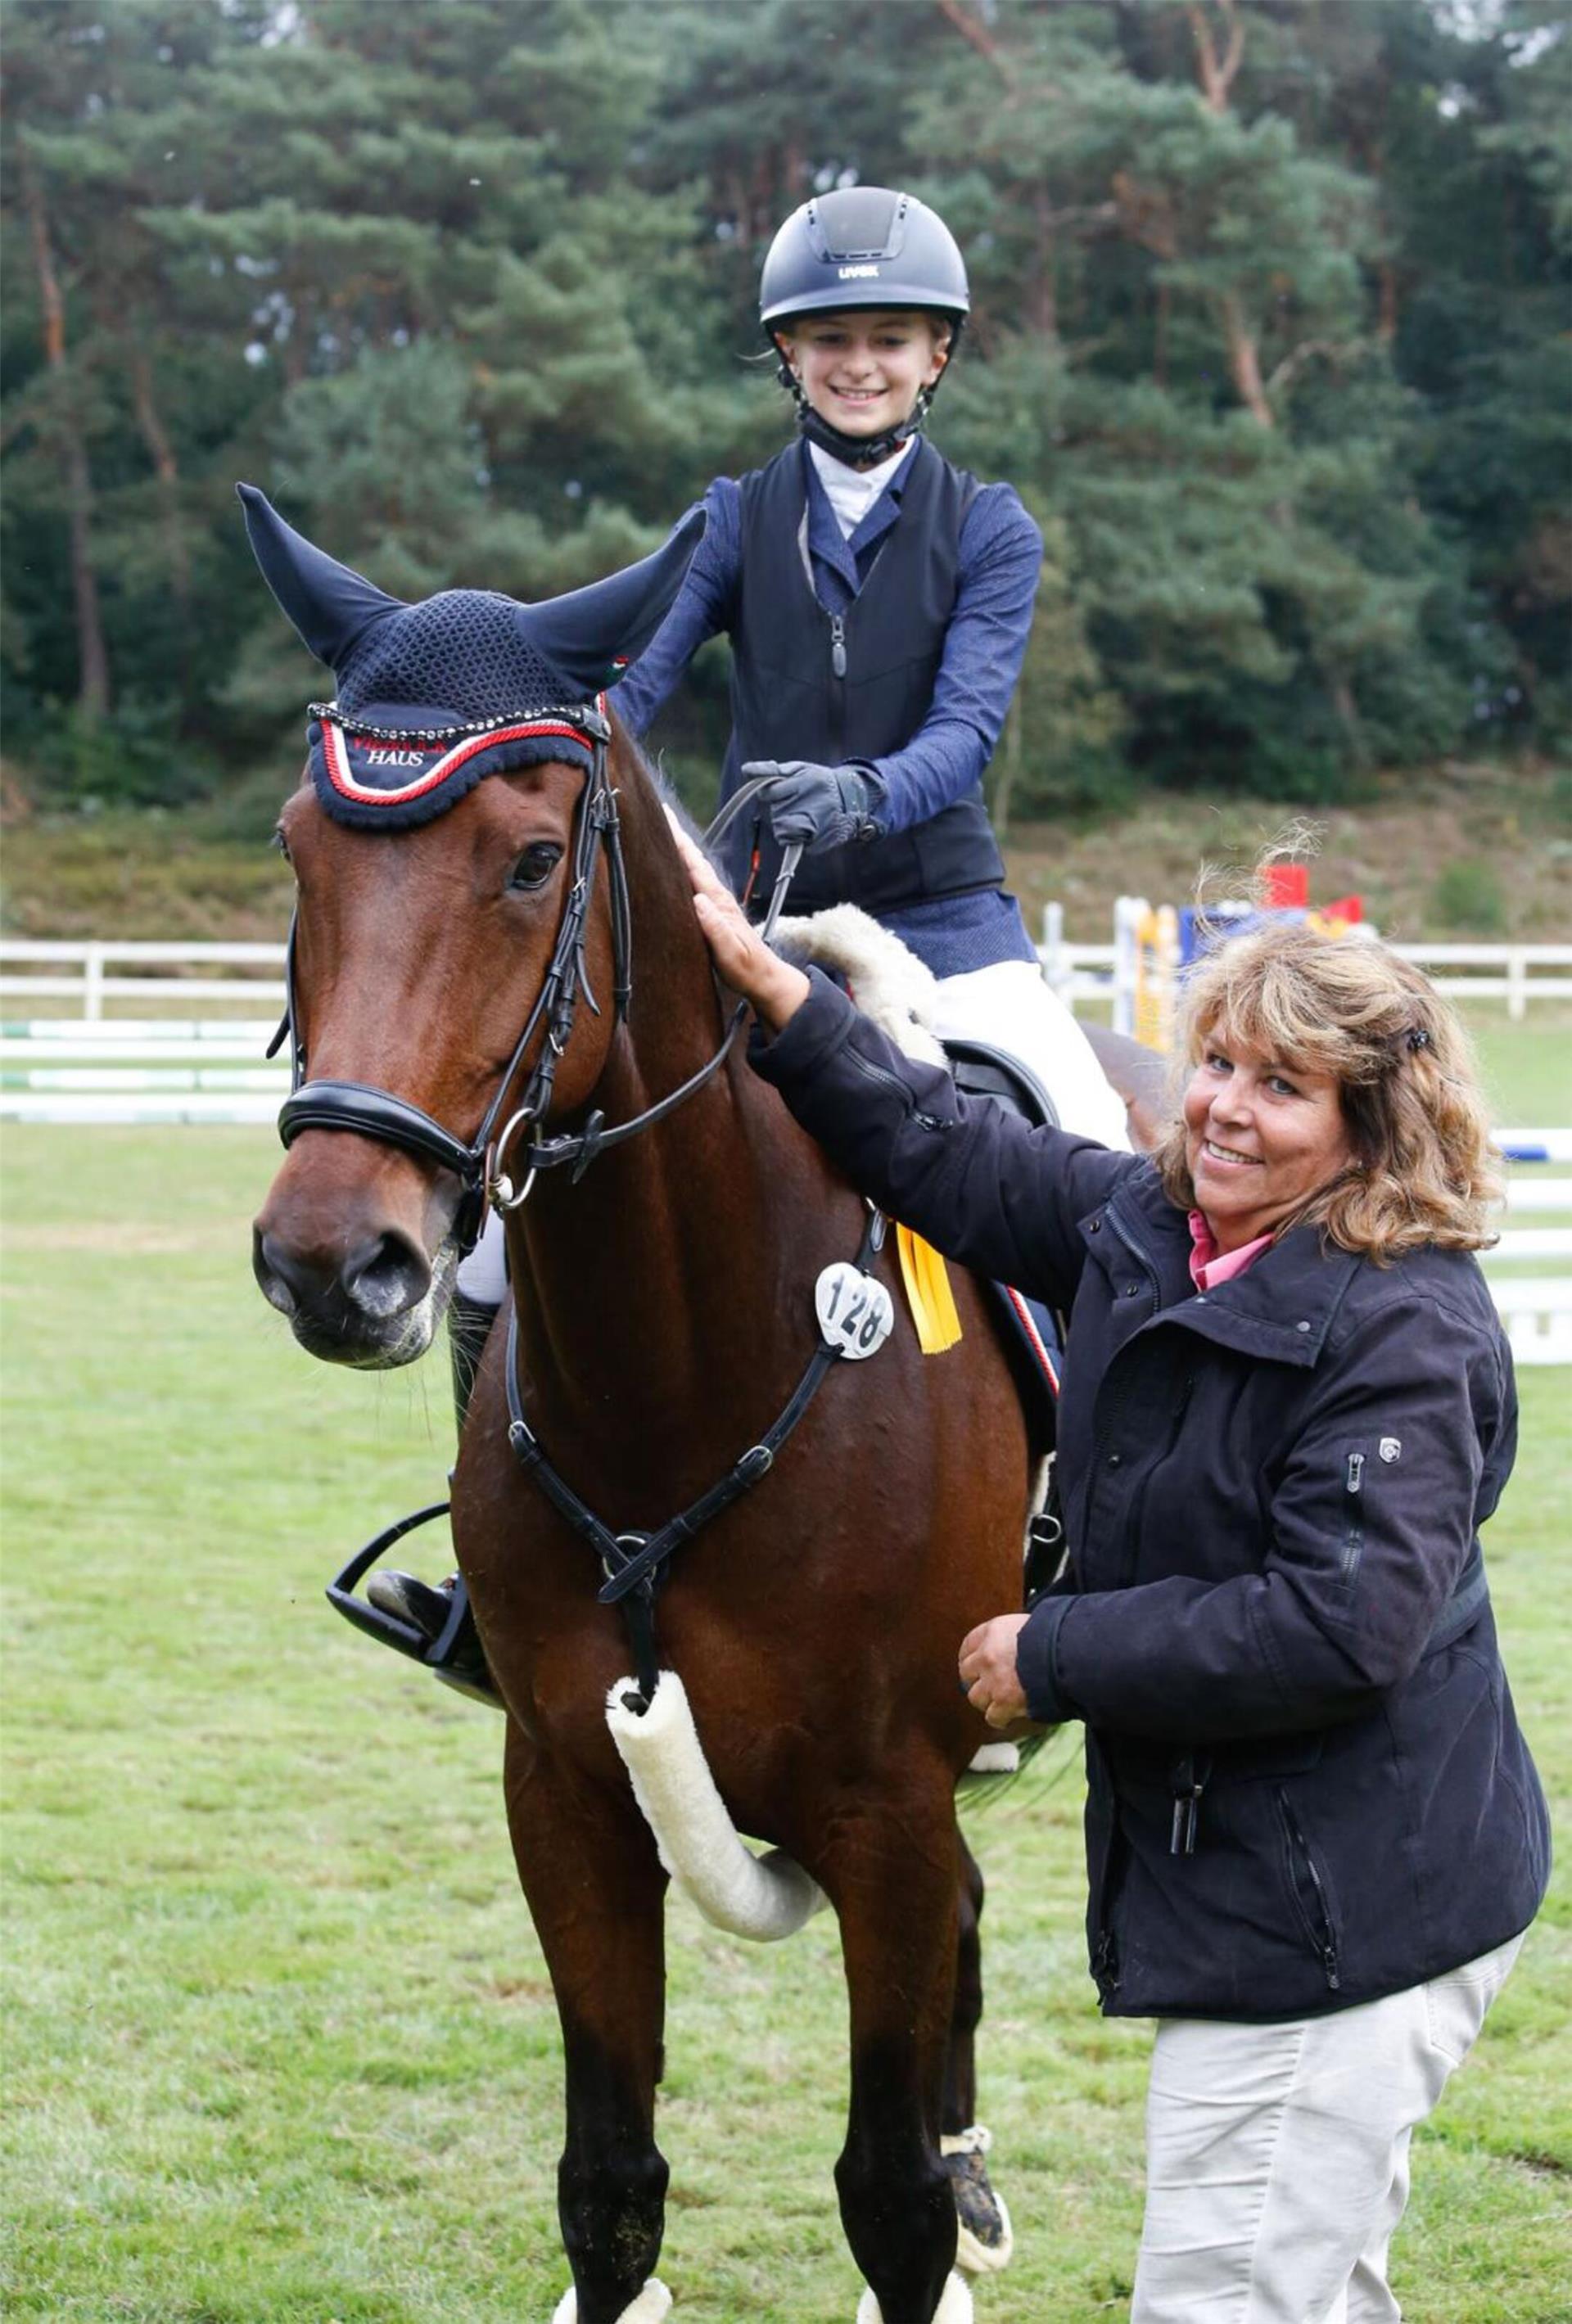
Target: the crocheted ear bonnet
(434, 697)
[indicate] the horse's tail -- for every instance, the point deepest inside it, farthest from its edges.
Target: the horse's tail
(762, 1896)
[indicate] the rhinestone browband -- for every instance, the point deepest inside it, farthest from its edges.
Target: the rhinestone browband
(578, 714)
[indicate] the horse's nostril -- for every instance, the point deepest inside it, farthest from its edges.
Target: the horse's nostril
(282, 1280)
(386, 1276)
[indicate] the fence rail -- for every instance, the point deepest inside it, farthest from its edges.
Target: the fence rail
(34, 969)
(1516, 974)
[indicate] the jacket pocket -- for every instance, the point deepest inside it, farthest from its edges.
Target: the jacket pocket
(1309, 1891)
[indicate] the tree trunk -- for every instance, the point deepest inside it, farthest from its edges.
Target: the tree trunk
(1045, 300)
(160, 452)
(1244, 361)
(92, 656)
(1217, 73)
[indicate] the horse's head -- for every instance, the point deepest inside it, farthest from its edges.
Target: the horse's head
(448, 844)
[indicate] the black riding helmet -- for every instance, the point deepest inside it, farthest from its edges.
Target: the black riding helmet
(862, 246)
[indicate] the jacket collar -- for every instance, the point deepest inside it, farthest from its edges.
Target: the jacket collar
(1282, 1309)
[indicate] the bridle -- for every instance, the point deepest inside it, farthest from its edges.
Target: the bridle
(633, 1563)
(479, 1162)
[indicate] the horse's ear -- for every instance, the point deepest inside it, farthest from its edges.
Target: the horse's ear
(583, 634)
(330, 605)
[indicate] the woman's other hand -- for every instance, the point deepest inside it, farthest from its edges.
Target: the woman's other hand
(775, 988)
(988, 1668)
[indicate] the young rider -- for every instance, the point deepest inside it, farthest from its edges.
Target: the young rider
(877, 600)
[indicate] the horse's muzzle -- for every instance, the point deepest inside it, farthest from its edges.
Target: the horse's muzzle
(373, 1306)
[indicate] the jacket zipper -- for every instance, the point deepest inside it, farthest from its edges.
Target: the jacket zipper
(882, 1079)
(1189, 1779)
(838, 663)
(1106, 1968)
(1324, 1939)
(1353, 1531)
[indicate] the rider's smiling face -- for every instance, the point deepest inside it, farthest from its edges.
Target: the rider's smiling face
(864, 370)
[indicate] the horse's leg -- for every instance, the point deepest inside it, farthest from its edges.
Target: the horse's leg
(960, 2072)
(595, 1892)
(892, 1873)
(985, 2242)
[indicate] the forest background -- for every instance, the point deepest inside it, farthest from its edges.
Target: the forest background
(1271, 331)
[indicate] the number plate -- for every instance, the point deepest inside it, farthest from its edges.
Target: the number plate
(855, 1313)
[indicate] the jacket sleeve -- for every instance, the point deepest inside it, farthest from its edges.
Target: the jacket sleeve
(1001, 556)
(977, 1184)
(1363, 1550)
(700, 610)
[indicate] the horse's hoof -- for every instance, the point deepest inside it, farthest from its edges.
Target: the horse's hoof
(984, 2240)
(955, 2306)
(651, 2307)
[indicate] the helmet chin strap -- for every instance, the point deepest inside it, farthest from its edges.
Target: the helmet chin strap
(858, 451)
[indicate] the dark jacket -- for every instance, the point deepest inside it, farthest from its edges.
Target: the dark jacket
(1273, 1620)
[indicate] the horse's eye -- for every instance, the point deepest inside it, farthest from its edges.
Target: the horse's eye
(281, 843)
(535, 865)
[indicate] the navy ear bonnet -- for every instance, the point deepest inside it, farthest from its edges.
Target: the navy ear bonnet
(469, 683)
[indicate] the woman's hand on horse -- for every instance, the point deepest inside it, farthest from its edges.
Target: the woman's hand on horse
(988, 1668)
(775, 988)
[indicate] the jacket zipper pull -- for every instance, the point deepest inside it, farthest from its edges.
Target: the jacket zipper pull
(838, 645)
(1355, 1475)
(1188, 1783)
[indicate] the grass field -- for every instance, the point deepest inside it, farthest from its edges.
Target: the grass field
(279, 2045)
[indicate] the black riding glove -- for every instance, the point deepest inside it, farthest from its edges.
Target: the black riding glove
(818, 807)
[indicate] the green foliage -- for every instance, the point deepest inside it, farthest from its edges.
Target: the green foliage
(1467, 895)
(1271, 342)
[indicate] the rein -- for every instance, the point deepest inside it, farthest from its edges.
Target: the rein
(369, 1112)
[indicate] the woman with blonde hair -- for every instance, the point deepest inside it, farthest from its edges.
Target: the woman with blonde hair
(1315, 1836)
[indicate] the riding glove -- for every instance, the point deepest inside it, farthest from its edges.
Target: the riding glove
(817, 807)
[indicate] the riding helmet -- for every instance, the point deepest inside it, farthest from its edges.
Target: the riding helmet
(863, 247)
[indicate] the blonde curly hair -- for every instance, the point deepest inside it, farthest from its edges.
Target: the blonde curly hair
(1424, 1170)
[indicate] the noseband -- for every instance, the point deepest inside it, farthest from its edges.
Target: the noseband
(367, 1111)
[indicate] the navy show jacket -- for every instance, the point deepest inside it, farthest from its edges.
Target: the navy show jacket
(1306, 1785)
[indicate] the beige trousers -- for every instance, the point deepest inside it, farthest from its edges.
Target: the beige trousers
(1277, 2156)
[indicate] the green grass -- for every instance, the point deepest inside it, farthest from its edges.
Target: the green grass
(279, 2047)
(1527, 1066)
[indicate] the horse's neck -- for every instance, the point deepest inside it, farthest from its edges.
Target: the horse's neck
(655, 1283)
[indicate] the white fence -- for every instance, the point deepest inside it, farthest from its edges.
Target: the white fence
(1516, 974)
(93, 974)
(36, 969)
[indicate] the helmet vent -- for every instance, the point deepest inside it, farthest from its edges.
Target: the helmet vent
(866, 222)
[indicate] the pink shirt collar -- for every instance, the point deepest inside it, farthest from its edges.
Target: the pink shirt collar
(1207, 1268)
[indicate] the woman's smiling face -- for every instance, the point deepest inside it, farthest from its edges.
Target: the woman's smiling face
(864, 370)
(1261, 1137)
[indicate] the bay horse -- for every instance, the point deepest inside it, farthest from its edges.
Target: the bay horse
(661, 1311)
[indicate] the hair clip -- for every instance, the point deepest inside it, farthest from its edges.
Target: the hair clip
(1417, 1037)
